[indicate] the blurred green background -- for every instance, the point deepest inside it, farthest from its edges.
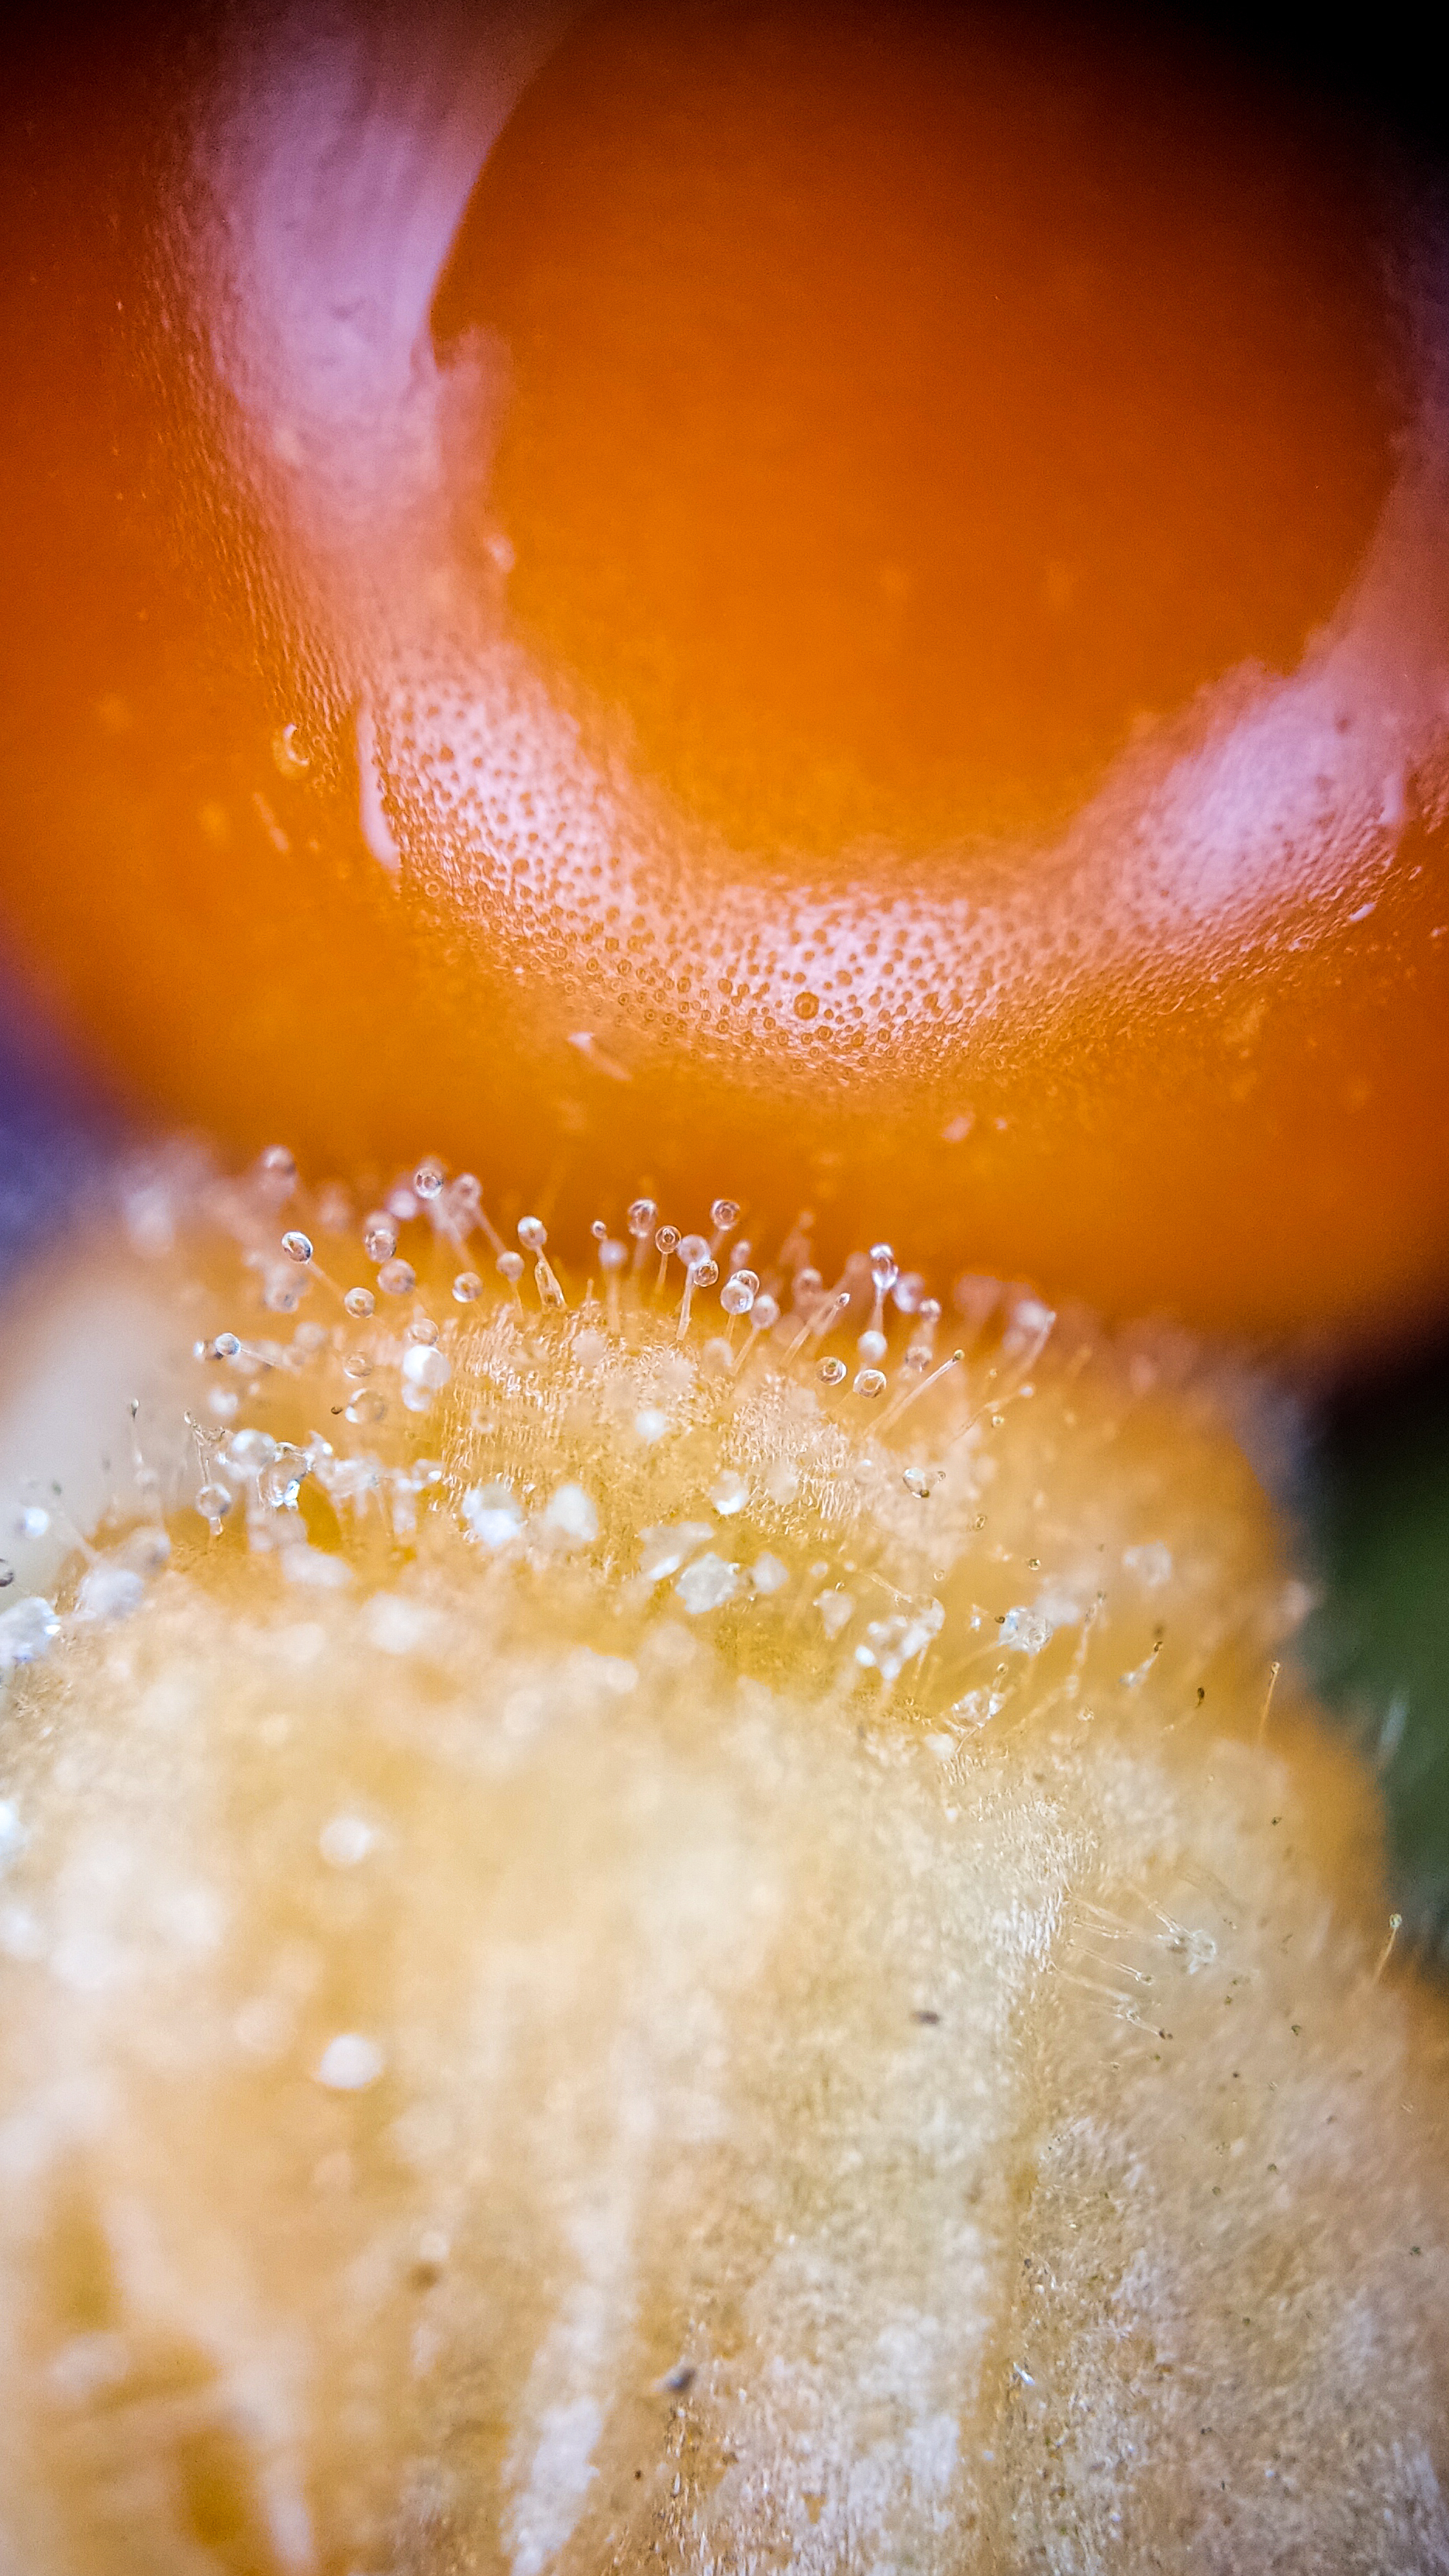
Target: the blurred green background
(1376, 1518)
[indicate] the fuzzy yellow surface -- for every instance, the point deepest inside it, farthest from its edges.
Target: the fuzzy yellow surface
(619, 1954)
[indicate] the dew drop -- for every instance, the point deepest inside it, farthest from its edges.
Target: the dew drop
(872, 1348)
(467, 1288)
(357, 1365)
(869, 1382)
(532, 1233)
(214, 1502)
(379, 1237)
(737, 1295)
(831, 1372)
(32, 1522)
(361, 1303)
(226, 1346)
(724, 1213)
(397, 1278)
(692, 1250)
(366, 1408)
(423, 1329)
(276, 1164)
(510, 1267)
(642, 1214)
(428, 1180)
(667, 1239)
(296, 1245)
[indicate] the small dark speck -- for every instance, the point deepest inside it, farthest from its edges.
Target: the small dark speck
(681, 2379)
(926, 2016)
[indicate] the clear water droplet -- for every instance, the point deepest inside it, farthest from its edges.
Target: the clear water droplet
(423, 1329)
(870, 1382)
(32, 1522)
(226, 1346)
(831, 1372)
(296, 1245)
(884, 1268)
(366, 1408)
(532, 1233)
(737, 1295)
(510, 1267)
(357, 1365)
(724, 1213)
(642, 1214)
(428, 1180)
(667, 1238)
(379, 1237)
(467, 1288)
(214, 1502)
(397, 1278)
(692, 1250)
(872, 1348)
(361, 1303)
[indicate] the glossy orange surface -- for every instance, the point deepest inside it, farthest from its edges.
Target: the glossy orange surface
(862, 620)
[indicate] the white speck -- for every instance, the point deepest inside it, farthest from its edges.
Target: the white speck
(729, 1493)
(651, 1424)
(572, 1515)
(492, 1515)
(12, 1832)
(312, 1565)
(835, 1610)
(345, 1840)
(782, 1482)
(768, 1574)
(426, 1368)
(1363, 912)
(665, 1547)
(109, 1592)
(396, 1626)
(708, 1584)
(27, 1632)
(957, 1129)
(350, 2063)
(1152, 1564)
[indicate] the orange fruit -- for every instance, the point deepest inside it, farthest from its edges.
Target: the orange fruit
(857, 620)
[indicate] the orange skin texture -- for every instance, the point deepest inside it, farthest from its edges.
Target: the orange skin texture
(1068, 1022)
